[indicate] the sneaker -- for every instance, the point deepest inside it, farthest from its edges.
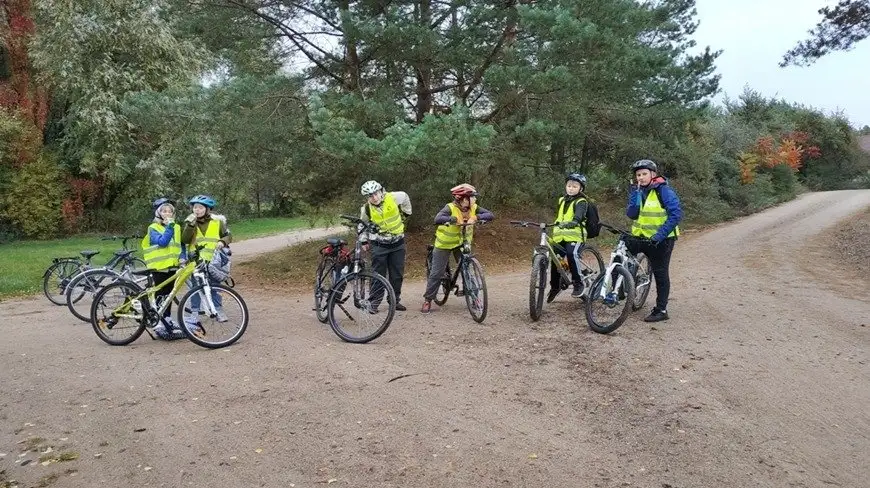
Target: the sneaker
(400, 307)
(427, 307)
(161, 332)
(552, 295)
(221, 317)
(578, 290)
(195, 329)
(656, 315)
(373, 309)
(460, 293)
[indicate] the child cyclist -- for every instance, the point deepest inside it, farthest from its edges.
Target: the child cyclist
(161, 246)
(462, 210)
(570, 233)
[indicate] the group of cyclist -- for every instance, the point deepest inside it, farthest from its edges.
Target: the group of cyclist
(652, 204)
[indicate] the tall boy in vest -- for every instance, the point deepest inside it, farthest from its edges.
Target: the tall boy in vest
(162, 251)
(388, 210)
(202, 227)
(463, 210)
(655, 209)
(570, 215)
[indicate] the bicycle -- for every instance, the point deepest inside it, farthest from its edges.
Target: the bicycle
(88, 282)
(141, 307)
(622, 288)
(473, 281)
(328, 273)
(364, 290)
(57, 277)
(588, 258)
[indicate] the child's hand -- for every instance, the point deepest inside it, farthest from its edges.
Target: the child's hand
(471, 220)
(190, 219)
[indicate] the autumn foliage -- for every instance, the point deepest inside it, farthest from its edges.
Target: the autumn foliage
(790, 150)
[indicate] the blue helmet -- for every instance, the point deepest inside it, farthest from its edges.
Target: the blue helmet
(160, 201)
(579, 178)
(203, 200)
(645, 164)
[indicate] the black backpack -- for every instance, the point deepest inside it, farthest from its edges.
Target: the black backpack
(592, 222)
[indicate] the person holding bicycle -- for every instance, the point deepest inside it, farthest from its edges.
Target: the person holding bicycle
(389, 211)
(656, 211)
(569, 233)
(462, 210)
(202, 227)
(162, 251)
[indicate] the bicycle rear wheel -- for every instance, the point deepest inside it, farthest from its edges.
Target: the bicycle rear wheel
(83, 288)
(116, 315)
(57, 277)
(323, 283)
(356, 307)
(537, 286)
(609, 302)
(213, 328)
(642, 282)
(475, 290)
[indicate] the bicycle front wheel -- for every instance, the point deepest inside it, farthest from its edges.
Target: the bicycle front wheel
(83, 288)
(322, 286)
(57, 277)
(116, 314)
(213, 320)
(609, 301)
(475, 290)
(361, 307)
(537, 285)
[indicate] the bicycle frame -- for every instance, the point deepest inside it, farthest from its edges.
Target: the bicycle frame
(180, 277)
(464, 258)
(545, 247)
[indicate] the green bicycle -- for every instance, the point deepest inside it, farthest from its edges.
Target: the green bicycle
(210, 315)
(591, 266)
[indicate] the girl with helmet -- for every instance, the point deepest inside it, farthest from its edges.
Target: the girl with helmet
(162, 252)
(202, 227)
(462, 210)
(388, 210)
(570, 234)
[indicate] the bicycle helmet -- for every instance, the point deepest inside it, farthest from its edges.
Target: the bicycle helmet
(370, 188)
(645, 164)
(579, 178)
(464, 190)
(160, 201)
(205, 200)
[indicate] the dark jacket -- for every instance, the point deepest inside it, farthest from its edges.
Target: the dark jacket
(669, 200)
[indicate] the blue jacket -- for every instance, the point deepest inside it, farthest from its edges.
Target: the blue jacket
(163, 240)
(669, 200)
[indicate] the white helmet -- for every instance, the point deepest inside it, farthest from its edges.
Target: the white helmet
(370, 187)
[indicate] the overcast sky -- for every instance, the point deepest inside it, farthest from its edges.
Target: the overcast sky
(754, 35)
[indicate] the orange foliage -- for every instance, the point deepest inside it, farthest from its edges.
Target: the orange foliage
(790, 151)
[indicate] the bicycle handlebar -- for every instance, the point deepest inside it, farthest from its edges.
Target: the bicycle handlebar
(624, 233)
(539, 225)
(366, 225)
(123, 239)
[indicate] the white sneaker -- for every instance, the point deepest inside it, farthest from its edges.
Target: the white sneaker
(221, 317)
(161, 332)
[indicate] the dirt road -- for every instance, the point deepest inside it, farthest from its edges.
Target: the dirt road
(759, 379)
(251, 248)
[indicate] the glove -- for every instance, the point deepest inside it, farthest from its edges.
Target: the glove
(655, 242)
(453, 220)
(190, 219)
(168, 222)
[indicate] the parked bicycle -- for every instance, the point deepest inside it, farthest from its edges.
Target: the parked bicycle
(473, 280)
(335, 261)
(589, 260)
(123, 310)
(360, 304)
(621, 289)
(57, 277)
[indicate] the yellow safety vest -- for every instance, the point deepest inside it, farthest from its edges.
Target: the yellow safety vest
(209, 239)
(161, 258)
(450, 236)
(389, 219)
(652, 217)
(566, 214)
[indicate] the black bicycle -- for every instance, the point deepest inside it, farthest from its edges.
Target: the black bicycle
(473, 281)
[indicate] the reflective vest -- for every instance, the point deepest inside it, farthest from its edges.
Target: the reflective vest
(161, 258)
(389, 219)
(450, 236)
(209, 239)
(566, 214)
(652, 217)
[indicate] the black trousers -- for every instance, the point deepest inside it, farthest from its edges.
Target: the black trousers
(660, 262)
(160, 277)
(389, 262)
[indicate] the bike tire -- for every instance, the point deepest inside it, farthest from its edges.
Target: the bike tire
(57, 278)
(199, 341)
(476, 298)
(100, 320)
(338, 299)
(443, 292)
(537, 286)
(641, 292)
(625, 304)
(95, 279)
(322, 287)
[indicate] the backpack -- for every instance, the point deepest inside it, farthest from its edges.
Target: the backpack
(592, 221)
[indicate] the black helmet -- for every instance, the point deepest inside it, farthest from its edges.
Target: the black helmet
(645, 164)
(160, 201)
(579, 178)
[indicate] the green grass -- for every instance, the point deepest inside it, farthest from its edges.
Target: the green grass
(23, 263)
